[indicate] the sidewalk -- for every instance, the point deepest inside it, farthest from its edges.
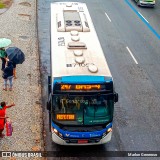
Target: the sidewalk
(18, 23)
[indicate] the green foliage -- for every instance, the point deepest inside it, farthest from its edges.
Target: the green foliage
(2, 5)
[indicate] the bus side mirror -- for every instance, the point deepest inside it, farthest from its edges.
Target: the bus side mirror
(115, 97)
(49, 85)
(48, 106)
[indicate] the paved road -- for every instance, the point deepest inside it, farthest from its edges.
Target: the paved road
(150, 14)
(131, 47)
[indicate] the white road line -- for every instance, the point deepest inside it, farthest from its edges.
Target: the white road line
(143, 17)
(132, 55)
(107, 16)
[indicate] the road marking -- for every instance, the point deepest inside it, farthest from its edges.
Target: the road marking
(132, 55)
(140, 16)
(143, 17)
(107, 16)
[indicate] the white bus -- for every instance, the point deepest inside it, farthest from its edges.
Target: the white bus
(81, 92)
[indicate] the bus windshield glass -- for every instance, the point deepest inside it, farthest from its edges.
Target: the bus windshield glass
(82, 110)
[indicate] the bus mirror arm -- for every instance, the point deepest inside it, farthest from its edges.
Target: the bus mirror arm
(115, 97)
(49, 106)
(49, 85)
(49, 102)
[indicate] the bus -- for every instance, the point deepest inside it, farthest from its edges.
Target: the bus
(81, 93)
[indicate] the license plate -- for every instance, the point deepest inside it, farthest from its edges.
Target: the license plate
(82, 141)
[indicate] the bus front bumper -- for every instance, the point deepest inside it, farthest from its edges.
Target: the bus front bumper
(78, 142)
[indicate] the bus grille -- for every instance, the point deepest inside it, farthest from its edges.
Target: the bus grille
(92, 140)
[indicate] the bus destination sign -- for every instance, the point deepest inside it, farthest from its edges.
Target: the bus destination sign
(65, 87)
(64, 117)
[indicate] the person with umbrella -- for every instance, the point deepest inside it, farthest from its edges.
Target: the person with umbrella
(15, 55)
(4, 42)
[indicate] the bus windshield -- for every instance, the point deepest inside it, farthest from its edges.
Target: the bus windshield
(82, 110)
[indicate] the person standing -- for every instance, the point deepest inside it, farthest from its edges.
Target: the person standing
(3, 108)
(8, 75)
(14, 66)
(3, 56)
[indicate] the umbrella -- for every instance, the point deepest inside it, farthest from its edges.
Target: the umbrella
(4, 42)
(15, 55)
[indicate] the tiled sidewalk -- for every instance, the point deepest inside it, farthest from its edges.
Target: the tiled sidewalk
(18, 23)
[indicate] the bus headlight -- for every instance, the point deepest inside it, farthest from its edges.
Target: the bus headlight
(56, 132)
(109, 130)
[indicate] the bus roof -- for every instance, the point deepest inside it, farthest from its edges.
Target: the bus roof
(75, 48)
